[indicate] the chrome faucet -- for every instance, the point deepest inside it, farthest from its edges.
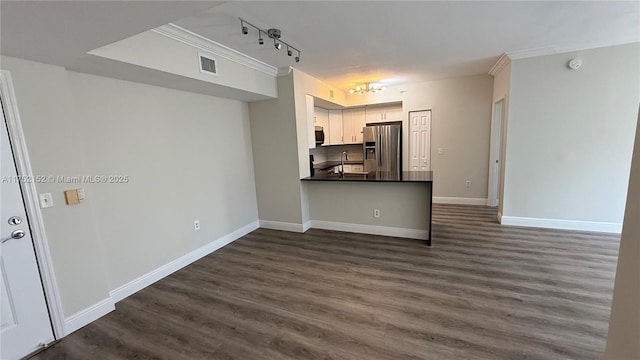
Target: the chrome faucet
(343, 157)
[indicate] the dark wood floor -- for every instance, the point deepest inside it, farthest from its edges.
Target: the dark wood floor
(482, 292)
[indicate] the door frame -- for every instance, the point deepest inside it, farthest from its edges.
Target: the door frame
(32, 206)
(495, 150)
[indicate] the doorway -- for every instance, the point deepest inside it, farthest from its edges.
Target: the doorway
(495, 154)
(420, 140)
(25, 323)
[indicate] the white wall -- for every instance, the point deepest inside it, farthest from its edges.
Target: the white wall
(45, 105)
(624, 324)
(402, 205)
(570, 135)
(461, 124)
(159, 52)
(275, 151)
(188, 157)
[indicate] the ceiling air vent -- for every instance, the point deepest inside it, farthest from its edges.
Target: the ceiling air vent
(208, 65)
(331, 94)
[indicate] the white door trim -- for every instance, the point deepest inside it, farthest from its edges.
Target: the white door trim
(41, 244)
(494, 152)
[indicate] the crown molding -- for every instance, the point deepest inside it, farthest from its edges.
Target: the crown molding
(552, 50)
(185, 36)
(499, 65)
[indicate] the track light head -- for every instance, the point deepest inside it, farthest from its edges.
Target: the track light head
(245, 30)
(260, 39)
(289, 52)
(297, 58)
(277, 45)
(351, 91)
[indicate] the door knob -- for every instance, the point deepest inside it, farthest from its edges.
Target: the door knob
(15, 220)
(15, 234)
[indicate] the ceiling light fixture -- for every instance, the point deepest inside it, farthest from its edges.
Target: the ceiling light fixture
(271, 33)
(370, 87)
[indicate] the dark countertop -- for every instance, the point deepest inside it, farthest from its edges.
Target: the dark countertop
(406, 176)
(328, 164)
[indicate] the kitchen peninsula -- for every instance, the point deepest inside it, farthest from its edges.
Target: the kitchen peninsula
(334, 196)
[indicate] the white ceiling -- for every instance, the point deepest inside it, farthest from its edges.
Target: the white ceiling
(342, 43)
(350, 43)
(62, 32)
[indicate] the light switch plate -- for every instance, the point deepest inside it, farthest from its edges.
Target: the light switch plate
(46, 200)
(440, 151)
(81, 194)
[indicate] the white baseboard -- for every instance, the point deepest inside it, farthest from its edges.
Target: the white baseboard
(499, 217)
(88, 315)
(284, 226)
(306, 226)
(177, 264)
(370, 229)
(560, 224)
(459, 200)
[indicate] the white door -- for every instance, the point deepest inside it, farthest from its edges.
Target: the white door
(24, 319)
(495, 154)
(420, 140)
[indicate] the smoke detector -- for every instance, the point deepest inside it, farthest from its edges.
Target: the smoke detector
(575, 63)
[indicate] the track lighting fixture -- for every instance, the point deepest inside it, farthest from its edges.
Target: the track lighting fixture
(271, 33)
(370, 87)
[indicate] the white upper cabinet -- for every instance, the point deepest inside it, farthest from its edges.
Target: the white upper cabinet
(335, 128)
(353, 120)
(393, 112)
(358, 123)
(321, 118)
(383, 113)
(340, 126)
(374, 114)
(311, 120)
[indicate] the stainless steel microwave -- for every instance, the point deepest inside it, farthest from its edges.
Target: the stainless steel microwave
(319, 135)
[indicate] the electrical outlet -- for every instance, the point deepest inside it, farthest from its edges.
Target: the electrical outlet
(467, 183)
(376, 213)
(196, 225)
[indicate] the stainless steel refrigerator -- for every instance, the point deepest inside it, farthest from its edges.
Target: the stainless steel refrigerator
(383, 149)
